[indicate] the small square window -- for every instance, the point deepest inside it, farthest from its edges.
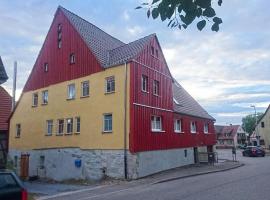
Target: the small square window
(45, 97)
(72, 58)
(144, 83)
(71, 91)
(18, 130)
(46, 67)
(193, 128)
(49, 127)
(69, 125)
(107, 123)
(156, 87)
(35, 100)
(85, 88)
(110, 84)
(156, 124)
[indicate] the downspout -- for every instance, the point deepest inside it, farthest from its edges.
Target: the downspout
(125, 124)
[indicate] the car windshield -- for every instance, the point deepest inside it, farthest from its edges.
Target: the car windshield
(7, 181)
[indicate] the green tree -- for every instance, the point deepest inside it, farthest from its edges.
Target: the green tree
(181, 13)
(249, 122)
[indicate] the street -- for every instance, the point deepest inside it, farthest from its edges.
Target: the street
(249, 182)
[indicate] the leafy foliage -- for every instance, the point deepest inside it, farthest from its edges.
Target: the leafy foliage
(181, 13)
(249, 122)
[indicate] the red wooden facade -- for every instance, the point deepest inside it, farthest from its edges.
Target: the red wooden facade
(58, 59)
(144, 105)
(5, 109)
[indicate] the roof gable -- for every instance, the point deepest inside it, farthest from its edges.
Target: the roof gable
(3, 74)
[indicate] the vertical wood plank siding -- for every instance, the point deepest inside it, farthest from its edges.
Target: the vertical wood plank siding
(5, 109)
(60, 69)
(141, 136)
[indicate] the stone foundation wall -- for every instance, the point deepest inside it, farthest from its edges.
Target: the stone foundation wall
(59, 164)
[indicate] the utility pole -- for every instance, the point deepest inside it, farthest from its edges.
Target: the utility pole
(256, 123)
(14, 86)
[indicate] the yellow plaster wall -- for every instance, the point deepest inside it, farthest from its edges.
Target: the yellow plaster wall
(265, 132)
(90, 110)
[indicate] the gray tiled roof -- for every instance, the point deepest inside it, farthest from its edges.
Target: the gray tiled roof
(186, 104)
(3, 74)
(108, 50)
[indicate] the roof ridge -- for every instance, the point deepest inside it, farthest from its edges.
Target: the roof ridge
(61, 7)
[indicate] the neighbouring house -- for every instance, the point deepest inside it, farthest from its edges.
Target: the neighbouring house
(95, 106)
(5, 111)
(263, 128)
(230, 136)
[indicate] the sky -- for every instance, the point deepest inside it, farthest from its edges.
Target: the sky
(225, 72)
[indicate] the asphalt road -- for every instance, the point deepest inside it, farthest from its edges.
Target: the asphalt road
(250, 182)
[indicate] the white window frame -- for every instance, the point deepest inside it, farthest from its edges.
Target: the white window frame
(45, 97)
(206, 128)
(69, 123)
(144, 82)
(71, 88)
(85, 87)
(35, 99)
(58, 126)
(46, 67)
(156, 87)
(105, 121)
(110, 84)
(78, 124)
(176, 128)
(18, 130)
(154, 123)
(72, 58)
(193, 127)
(49, 127)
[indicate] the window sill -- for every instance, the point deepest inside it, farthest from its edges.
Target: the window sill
(179, 132)
(48, 134)
(44, 104)
(158, 131)
(17, 136)
(109, 92)
(106, 132)
(77, 133)
(147, 92)
(193, 133)
(156, 95)
(34, 106)
(82, 97)
(68, 133)
(59, 134)
(70, 99)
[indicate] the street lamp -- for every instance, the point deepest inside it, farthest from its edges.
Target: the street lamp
(256, 132)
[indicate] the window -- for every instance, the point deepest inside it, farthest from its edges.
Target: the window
(49, 127)
(42, 162)
(46, 67)
(205, 128)
(59, 36)
(78, 124)
(185, 151)
(110, 84)
(71, 91)
(107, 123)
(72, 58)
(193, 127)
(18, 130)
(144, 83)
(152, 51)
(262, 124)
(85, 88)
(156, 87)
(156, 124)
(35, 99)
(178, 125)
(69, 125)
(61, 124)
(45, 97)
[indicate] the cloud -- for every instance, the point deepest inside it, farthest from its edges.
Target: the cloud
(126, 16)
(135, 30)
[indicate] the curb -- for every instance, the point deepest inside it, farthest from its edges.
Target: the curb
(198, 174)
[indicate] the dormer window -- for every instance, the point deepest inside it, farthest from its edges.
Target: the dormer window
(59, 36)
(72, 58)
(46, 67)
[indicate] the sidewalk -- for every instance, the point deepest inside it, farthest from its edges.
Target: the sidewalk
(169, 175)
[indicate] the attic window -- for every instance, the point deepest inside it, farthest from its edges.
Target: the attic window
(152, 51)
(72, 58)
(46, 67)
(156, 53)
(59, 36)
(175, 101)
